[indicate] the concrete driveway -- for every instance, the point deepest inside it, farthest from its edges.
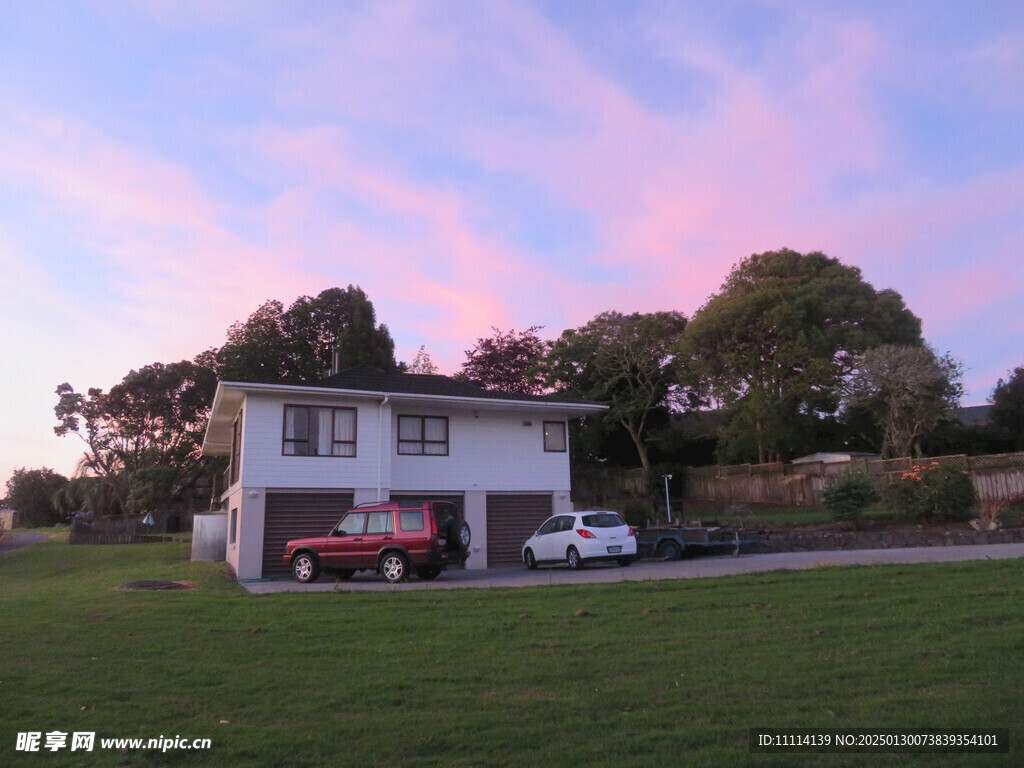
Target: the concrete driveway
(647, 570)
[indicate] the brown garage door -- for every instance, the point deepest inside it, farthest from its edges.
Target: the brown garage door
(511, 520)
(295, 516)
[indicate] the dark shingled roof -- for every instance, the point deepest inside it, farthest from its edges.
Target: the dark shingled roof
(370, 379)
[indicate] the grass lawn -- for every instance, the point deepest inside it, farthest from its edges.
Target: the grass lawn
(659, 673)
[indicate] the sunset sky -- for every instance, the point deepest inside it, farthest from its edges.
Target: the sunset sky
(168, 165)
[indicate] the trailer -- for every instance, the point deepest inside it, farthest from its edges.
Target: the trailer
(671, 542)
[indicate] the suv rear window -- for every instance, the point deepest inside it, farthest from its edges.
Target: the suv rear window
(603, 520)
(412, 520)
(444, 514)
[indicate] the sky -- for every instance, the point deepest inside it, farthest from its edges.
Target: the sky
(166, 166)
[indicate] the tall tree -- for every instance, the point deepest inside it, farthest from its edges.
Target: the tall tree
(156, 416)
(31, 492)
(1007, 412)
(257, 349)
(906, 391)
(775, 343)
(299, 343)
(336, 320)
(508, 361)
(623, 360)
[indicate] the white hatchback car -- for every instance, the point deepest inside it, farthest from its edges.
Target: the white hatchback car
(581, 537)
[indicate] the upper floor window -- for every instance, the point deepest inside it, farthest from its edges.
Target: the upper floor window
(236, 450)
(315, 431)
(423, 435)
(554, 437)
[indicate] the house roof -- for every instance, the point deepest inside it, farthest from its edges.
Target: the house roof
(368, 382)
(369, 379)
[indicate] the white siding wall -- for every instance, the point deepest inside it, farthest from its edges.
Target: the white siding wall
(493, 451)
(263, 464)
(487, 451)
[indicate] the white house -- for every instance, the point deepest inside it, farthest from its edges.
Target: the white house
(303, 453)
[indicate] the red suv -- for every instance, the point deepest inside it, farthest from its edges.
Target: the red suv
(388, 537)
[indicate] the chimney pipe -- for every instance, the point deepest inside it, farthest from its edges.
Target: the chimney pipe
(336, 361)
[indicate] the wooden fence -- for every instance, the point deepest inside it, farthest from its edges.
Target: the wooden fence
(130, 530)
(996, 478)
(593, 487)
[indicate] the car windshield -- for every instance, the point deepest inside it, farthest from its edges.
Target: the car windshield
(603, 520)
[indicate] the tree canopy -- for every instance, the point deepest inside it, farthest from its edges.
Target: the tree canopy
(623, 360)
(423, 363)
(1007, 412)
(776, 342)
(31, 493)
(906, 391)
(299, 343)
(155, 417)
(509, 361)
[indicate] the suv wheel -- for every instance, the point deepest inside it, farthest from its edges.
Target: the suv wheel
(394, 567)
(428, 572)
(305, 567)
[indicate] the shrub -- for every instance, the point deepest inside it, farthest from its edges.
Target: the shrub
(848, 496)
(933, 493)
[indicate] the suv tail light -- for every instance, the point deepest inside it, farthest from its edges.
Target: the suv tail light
(584, 533)
(433, 525)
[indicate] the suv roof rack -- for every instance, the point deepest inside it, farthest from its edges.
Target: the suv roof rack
(370, 504)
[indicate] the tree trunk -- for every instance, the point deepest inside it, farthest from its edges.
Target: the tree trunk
(641, 449)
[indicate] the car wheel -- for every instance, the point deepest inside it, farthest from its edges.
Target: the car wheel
(464, 536)
(305, 567)
(670, 550)
(572, 556)
(428, 572)
(394, 567)
(530, 560)
(625, 562)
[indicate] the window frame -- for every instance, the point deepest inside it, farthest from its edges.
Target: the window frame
(423, 442)
(235, 467)
(334, 409)
(564, 439)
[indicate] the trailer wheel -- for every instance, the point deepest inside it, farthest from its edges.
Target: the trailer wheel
(670, 550)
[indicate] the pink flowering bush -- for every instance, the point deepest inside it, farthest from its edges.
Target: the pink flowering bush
(933, 493)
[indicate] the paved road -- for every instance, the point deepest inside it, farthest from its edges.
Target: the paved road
(18, 540)
(650, 570)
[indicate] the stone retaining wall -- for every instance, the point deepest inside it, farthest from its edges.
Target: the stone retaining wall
(812, 541)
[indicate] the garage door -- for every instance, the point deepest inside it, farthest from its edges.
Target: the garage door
(511, 520)
(295, 516)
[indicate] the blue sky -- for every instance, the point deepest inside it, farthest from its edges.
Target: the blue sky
(165, 167)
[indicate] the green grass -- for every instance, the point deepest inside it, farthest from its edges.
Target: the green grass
(659, 673)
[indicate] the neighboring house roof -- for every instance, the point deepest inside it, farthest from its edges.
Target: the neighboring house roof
(974, 415)
(369, 382)
(836, 457)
